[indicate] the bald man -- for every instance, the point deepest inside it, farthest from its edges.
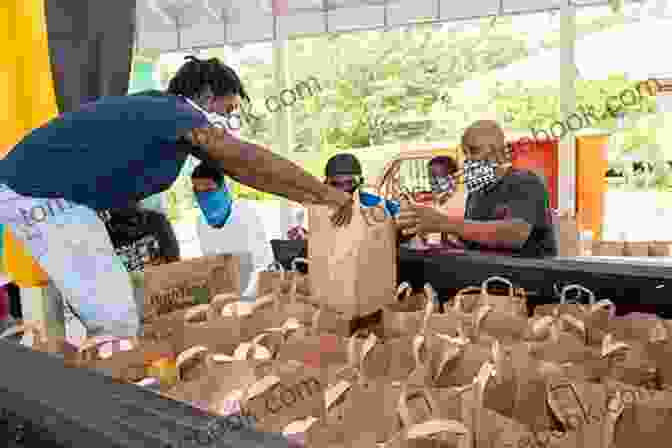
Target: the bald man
(506, 208)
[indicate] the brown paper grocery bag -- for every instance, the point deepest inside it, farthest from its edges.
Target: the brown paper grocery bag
(609, 248)
(454, 361)
(433, 431)
(660, 249)
(514, 302)
(646, 418)
(276, 277)
(216, 380)
(363, 405)
(407, 315)
(630, 363)
(127, 364)
(636, 249)
(291, 391)
(353, 268)
(596, 315)
(207, 325)
(313, 433)
(587, 414)
(175, 286)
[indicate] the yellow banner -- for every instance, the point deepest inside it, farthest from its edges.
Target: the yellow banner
(28, 102)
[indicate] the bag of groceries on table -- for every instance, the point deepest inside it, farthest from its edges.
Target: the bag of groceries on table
(514, 302)
(275, 273)
(170, 289)
(353, 269)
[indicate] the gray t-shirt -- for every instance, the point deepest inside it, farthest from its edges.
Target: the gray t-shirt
(519, 194)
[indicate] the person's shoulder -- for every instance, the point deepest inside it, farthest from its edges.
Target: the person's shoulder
(524, 177)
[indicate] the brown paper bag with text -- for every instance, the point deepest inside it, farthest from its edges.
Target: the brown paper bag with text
(171, 288)
(353, 268)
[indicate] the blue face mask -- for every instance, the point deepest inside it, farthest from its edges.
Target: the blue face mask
(216, 206)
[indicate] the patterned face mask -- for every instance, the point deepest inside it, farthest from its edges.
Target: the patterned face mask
(479, 174)
(443, 184)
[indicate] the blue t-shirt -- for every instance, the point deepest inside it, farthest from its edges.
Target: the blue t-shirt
(110, 152)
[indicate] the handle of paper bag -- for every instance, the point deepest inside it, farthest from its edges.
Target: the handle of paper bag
(188, 355)
(438, 426)
(356, 357)
(196, 312)
(220, 301)
(402, 405)
(458, 302)
(432, 299)
(581, 289)
(248, 350)
(405, 289)
(434, 425)
(486, 283)
(295, 278)
(553, 324)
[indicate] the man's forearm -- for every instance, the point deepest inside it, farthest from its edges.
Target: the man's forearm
(263, 170)
(496, 234)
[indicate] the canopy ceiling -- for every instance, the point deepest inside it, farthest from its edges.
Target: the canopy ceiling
(173, 25)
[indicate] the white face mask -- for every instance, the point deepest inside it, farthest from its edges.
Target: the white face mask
(230, 122)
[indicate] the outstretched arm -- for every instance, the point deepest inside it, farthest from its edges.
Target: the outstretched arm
(266, 171)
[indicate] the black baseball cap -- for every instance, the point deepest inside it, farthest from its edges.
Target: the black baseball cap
(207, 171)
(344, 164)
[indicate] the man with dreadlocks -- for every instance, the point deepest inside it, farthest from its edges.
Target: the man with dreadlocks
(506, 209)
(122, 149)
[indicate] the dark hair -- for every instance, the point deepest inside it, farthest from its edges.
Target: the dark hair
(196, 75)
(205, 171)
(447, 161)
(344, 164)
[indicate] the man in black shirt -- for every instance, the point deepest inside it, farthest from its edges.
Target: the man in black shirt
(141, 237)
(506, 209)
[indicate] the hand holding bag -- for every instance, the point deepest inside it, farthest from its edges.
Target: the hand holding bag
(353, 268)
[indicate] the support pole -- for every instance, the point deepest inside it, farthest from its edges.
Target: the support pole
(283, 126)
(567, 150)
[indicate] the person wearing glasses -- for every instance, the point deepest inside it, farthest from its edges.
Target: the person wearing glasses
(506, 208)
(121, 149)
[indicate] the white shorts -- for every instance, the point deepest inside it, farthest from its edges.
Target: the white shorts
(71, 243)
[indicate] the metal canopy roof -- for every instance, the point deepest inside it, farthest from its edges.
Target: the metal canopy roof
(173, 25)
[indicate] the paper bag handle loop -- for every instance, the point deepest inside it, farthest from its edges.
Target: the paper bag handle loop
(295, 278)
(402, 405)
(458, 301)
(432, 300)
(189, 355)
(581, 289)
(356, 358)
(437, 426)
(405, 289)
(486, 283)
